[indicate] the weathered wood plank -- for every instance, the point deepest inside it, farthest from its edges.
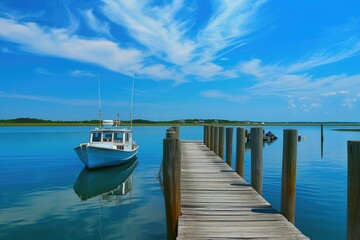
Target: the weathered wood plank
(218, 204)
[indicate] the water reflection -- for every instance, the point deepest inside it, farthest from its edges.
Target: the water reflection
(110, 184)
(265, 143)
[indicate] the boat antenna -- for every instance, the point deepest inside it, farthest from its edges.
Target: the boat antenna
(132, 100)
(100, 115)
(118, 120)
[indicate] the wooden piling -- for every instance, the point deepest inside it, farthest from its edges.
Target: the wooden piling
(208, 136)
(211, 138)
(172, 181)
(229, 143)
(240, 151)
(177, 131)
(256, 139)
(353, 206)
(214, 138)
(322, 140)
(204, 135)
(288, 183)
(221, 142)
(322, 133)
(216, 144)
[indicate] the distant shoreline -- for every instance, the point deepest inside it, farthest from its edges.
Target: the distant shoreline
(182, 122)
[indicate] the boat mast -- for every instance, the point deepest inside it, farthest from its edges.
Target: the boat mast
(100, 115)
(132, 100)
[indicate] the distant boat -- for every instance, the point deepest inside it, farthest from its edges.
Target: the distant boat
(115, 181)
(108, 146)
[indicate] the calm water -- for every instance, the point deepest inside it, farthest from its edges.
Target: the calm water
(45, 193)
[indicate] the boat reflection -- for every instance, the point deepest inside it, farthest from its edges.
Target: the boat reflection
(108, 183)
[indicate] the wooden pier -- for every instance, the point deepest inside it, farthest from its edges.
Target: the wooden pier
(206, 199)
(217, 203)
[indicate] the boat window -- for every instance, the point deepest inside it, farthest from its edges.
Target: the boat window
(107, 137)
(118, 137)
(126, 137)
(96, 137)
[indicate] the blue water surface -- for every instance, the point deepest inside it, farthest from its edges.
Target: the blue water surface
(39, 168)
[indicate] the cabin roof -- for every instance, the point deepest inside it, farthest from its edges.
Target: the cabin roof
(111, 130)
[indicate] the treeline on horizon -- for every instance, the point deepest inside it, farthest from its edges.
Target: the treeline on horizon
(140, 121)
(143, 121)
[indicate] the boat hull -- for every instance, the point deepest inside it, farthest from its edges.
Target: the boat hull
(97, 157)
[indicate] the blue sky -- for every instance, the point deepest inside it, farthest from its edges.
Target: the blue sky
(239, 60)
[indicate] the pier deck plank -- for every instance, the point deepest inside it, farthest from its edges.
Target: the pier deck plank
(216, 203)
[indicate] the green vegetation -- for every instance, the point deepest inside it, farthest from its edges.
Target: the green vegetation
(41, 122)
(184, 122)
(348, 130)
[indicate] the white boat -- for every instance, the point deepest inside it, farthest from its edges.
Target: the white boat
(108, 146)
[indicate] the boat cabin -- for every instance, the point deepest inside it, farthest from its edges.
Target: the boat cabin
(112, 138)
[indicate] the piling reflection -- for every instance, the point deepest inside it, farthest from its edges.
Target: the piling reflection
(108, 183)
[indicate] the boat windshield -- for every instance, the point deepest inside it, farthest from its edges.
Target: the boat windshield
(118, 137)
(107, 137)
(96, 137)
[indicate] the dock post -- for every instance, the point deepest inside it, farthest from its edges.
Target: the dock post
(229, 142)
(172, 181)
(177, 130)
(322, 140)
(221, 142)
(211, 137)
(240, 151)
(256, 139)
(214, 139)
(216, 145)
(205, 135)
(353, 206)
(288, 182)
(322, 132)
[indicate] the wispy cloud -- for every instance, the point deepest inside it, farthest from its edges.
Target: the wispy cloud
(304, 104)
(269, 72)
(95, 24)
(161, 31)
(340, 51)
(349, 102)
(43, 71)
(207, 70)
(228, 28)
(59, 43)
(164, 44)
(221, 95)
(155, 28)
(49, 99)
(294, 78)
(73, 102)
(328, 94)
(160, 43)
(5, 50)
(81, 73)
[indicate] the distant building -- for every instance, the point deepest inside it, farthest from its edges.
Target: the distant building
(181, 121)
